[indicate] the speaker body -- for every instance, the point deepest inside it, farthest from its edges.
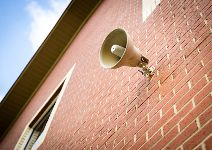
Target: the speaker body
(130, 57)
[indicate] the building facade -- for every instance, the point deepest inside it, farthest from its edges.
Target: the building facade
(76, 104)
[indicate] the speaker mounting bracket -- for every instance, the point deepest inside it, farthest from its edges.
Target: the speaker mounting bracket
(148, 72)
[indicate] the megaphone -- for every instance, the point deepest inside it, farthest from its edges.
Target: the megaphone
(118, 50)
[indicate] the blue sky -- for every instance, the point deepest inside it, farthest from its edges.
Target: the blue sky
(24, 24)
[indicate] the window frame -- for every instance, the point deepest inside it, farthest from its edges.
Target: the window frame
(54, 99)
(146, 12)
(45, 115)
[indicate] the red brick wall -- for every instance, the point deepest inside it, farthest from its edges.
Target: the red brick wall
(120, 108)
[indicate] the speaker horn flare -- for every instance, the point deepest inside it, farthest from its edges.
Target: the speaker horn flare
(118, 50)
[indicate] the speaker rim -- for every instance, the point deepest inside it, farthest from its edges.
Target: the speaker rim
(100, 59)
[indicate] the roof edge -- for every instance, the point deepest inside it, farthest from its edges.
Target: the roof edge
(17, 82)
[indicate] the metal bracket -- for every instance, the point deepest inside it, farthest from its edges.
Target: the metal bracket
(148, 72)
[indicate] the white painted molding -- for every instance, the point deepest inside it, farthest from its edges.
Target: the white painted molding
(20, 144)
(148, 6)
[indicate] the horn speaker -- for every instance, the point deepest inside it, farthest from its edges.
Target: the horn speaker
(118, 50)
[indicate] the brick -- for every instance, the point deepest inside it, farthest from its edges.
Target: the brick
(138, 143)
(182, 93)
(152, 140)
(179, 148)
(205, 116)
(204, 92)
(161, 122)
(199, 75)
(209, 75)
(161, 143)
(149, 124)
(160, 104)
(186, 78)
(183, 112)
(208, 142)
(195, 112)
(191, 93)
(198, 137)
(132, 131)
(119, 145)
(199, 148)
(128, 144)
(183, 136)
